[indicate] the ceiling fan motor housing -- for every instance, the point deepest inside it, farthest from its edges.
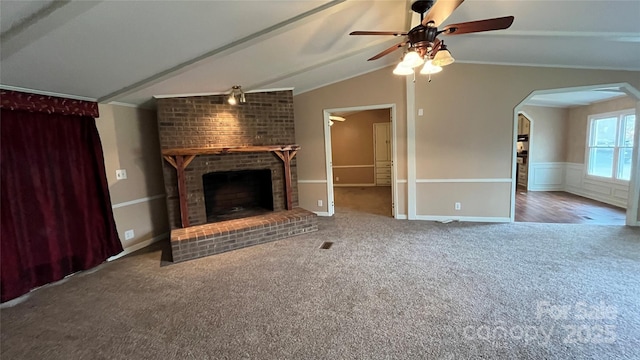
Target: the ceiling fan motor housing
(422, 38)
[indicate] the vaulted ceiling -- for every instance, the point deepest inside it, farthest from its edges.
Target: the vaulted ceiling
(131, 51)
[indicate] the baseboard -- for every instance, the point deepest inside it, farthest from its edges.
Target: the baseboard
(546, 188)
(13, 302)
(138, 246)
(322, 213)
(353, 185)
(464, 218)
(401, 217)
(594, 196)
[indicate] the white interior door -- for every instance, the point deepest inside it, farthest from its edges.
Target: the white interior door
(382, 153)
(382, 141)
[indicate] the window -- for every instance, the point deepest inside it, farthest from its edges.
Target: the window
(611, 145)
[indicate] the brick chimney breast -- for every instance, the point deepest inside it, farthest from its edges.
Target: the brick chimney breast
(209, 121)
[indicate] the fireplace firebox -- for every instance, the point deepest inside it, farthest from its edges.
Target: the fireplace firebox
(232, 195)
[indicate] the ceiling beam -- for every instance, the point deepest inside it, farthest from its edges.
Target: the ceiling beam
(47, 19)
(218, 52)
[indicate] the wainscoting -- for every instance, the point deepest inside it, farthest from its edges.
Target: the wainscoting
(547, 176)
(570, 177)
(609, 192)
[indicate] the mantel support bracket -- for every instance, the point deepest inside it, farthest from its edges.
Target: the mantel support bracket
(286, 156)
(180, 162)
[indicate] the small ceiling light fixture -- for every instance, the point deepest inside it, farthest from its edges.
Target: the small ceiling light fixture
(336, 118)
(236, 90)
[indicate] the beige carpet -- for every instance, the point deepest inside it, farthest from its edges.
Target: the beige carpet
(386, 289)
(367, 199)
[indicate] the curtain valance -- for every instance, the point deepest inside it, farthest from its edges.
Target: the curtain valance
(16, 100)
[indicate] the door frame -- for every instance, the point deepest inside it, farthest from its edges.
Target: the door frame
(529, 152)
(328, 155)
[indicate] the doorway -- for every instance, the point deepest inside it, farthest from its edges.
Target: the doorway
(558, 185)
(360, 154)
(522, 148)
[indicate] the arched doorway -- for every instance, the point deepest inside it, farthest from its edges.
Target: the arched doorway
(571, 172)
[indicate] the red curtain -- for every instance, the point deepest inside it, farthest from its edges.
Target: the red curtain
(56, 212)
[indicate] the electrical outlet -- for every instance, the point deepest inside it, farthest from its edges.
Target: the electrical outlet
(337, 178)
(420, 112)
(129, 234)
(121, 174)
(319, 202)
(458, 206)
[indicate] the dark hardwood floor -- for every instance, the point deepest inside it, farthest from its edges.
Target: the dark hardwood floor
(562, 207)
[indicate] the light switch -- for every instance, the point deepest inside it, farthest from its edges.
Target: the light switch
(420, 112)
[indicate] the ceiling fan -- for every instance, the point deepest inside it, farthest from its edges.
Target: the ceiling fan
(423, 39)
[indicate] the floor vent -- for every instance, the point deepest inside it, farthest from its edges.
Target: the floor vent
(326, 245)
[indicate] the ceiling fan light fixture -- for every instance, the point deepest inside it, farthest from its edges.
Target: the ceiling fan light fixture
(429, 68)
(443, 57)
(412, 60)
(402, 70)
(422, 40)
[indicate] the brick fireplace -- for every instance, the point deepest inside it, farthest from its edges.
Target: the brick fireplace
(209, 122)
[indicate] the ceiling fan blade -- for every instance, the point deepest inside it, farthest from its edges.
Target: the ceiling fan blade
(388, 51)
(394, 33)
(479, 26)
(440, 11)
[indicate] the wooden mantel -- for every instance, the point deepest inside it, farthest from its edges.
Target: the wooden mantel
(181, 158)
(228, 150)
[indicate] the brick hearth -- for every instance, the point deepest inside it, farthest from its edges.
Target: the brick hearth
(209, 239)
